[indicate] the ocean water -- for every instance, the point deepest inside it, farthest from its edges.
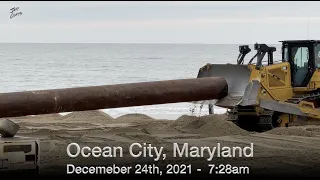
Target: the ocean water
(50, 66)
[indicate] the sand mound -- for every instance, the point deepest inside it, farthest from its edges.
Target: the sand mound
(47, 116)
(42, 132)
(95, 115)
(134, 118)
(293, 131)
(212, 125)
(125, 129)
(182, 121)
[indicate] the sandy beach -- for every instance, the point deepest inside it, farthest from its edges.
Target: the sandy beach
(283, 150)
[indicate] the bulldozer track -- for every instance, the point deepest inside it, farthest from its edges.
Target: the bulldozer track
(261, 122)
(264, 121)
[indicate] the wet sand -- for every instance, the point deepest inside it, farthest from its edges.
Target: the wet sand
(281, 150)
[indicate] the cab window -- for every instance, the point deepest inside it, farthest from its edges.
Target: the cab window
(317, 55)
(285, 54)
(300, 59)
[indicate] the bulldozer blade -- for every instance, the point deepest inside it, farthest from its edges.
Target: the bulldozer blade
(237, 77)
(250, 97)
(281, 107)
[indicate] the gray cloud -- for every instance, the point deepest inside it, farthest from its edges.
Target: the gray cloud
(163, 22)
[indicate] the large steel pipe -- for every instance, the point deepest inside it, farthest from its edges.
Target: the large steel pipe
(111, 96)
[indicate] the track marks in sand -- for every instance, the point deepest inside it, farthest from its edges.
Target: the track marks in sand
(142, 138)
(275, 142)
(292, 131)
(314, 129)
(264, 145)
(300, 140)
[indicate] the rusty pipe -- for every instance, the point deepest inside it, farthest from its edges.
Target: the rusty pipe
(111, 96)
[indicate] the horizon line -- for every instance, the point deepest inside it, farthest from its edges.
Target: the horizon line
(126, 43)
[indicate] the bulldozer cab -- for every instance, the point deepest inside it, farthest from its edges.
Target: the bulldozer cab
(303, 57)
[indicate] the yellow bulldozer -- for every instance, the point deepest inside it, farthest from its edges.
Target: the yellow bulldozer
(265, 94)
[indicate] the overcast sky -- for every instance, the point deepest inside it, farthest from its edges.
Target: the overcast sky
(159, 22)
